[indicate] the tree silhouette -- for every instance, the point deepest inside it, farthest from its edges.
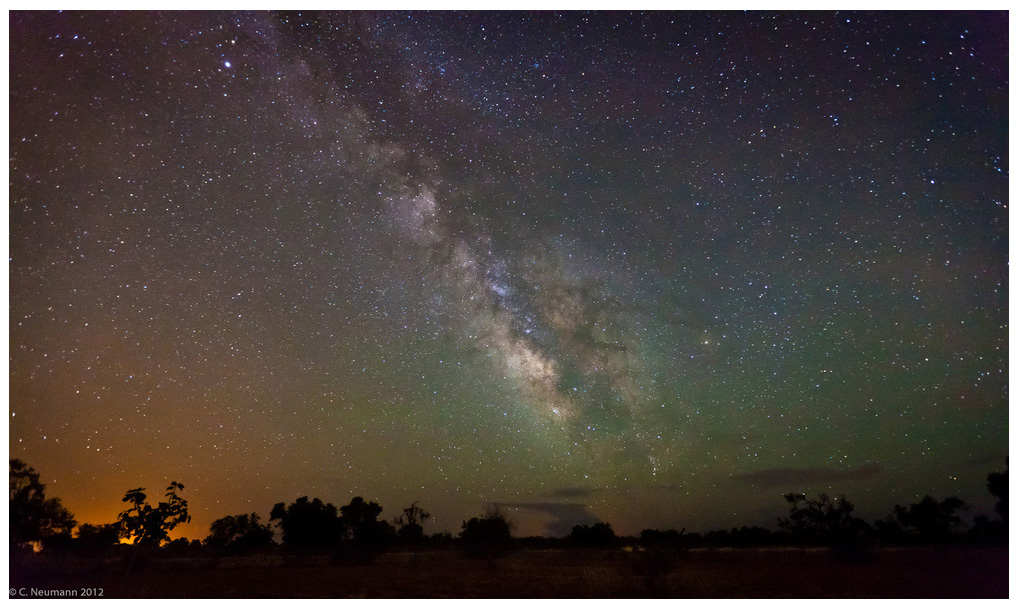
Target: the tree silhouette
(997, 485)
(96, 538)
(493, 525)
(930, 520)
(489, 535)
(33, 517)
(150, 526)
(598, 534)
(823, 520)
(360, 519)
(239, 533)
(984, 527)
(308, 525)
(183, 546)
(409, 523)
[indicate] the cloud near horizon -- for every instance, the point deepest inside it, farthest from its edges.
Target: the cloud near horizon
(566, 515)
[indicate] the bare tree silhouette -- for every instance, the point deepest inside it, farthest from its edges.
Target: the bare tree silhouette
(409, 523)
(822, 520)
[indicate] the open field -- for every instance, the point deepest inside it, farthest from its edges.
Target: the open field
(718, 573)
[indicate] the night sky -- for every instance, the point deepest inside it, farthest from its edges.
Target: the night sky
(655, 270)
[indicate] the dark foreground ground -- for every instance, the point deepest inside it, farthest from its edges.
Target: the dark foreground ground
(953, 572)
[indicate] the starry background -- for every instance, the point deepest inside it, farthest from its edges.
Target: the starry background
(654, 270)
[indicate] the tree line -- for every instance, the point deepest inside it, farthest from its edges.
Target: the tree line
(310, 525)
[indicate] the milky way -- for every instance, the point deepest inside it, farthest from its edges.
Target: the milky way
(650, 269)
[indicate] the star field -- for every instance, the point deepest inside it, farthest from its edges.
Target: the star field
(650, 269)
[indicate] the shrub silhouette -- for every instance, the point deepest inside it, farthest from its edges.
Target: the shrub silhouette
(487, 536)
(33, 517)
(308, 525)
(150, 526)
(183, 546)
(240, 533)
(96, 539)
(598, 534)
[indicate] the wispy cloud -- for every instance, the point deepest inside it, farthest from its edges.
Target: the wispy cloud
(572, 492)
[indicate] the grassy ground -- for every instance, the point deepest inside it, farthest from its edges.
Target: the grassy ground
(955, 572)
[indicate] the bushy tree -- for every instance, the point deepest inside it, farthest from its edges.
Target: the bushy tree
(444, 538)
(240, 533)
(98, 537)
(360, 519)
(930, 520)
(997, 529)
(33, 517)
(493, 525)
(597, 534)
(183, 546)
(308, 525)
(151, 526)
(822, 520)
(489, 535)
